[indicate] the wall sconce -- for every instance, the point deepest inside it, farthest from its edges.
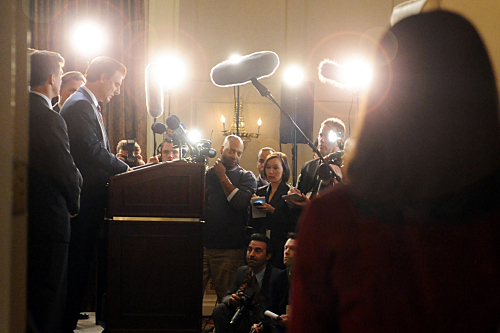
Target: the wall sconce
(238, 125)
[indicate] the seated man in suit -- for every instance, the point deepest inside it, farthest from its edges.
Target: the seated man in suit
(280, 292)
(248, 296)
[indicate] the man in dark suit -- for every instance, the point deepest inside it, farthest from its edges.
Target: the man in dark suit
(280, 292)
(71, 81)
(91, 152)
(261, 158)
(253, 281)
(53, 196)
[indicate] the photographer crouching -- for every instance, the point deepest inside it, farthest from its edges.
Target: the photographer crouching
(248, 297)
(129, 152)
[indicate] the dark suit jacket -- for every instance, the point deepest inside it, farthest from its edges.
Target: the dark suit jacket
(242, 273)
(280, 298)
(280, 293)
(280, 223)
(89, 146)
(53, 179)
(308, 179)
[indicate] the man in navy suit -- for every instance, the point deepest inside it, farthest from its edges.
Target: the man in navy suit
(252, 280)
(91, 152)
(53, 196)
(70, 82)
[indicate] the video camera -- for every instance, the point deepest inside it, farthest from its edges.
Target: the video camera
(130, 159)
(246, 295)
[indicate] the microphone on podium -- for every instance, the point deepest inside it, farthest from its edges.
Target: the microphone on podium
(235, 73)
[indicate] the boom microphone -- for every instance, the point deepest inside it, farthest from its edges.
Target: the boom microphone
(159, 128)
(331, 72)
(256, 65)
(154, 91)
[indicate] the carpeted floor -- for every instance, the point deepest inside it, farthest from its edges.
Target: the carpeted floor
(89, 326)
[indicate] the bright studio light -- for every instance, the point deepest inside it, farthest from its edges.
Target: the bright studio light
(172, 71)
(194, 136)
(332, 136)
(88, 38)
(357, 73)
(235, 58)
(294, 76)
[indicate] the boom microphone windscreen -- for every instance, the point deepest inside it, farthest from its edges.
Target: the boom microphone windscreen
(159, 128)
(234, 73)
(154, 91)
(331, 72)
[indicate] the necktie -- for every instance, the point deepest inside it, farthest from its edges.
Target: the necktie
(100, 112)
(258, 298)
(104, 134)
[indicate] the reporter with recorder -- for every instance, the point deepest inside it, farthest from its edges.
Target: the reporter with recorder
(279, 294)
(248, 296)
(280, 219)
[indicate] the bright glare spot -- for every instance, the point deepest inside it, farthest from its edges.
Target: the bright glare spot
(332, 136)
(235, 58)
(294, 76)
(259, 122)
(222, 119)
(88, 38)
(172, 71)
(194, 136)
(357, 73)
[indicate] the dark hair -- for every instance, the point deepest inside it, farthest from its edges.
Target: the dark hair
(284, 163)
(266, 148)
(160, 146)
(291, 235)
(334, 123)
(262, 238)
(123, 145)
(73, 75)
(104, 65)
(43, 64)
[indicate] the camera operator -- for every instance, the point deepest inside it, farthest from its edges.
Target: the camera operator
(129, 152)
(248, 296)
(330, 140)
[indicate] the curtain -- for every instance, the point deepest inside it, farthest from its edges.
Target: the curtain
(124, 24)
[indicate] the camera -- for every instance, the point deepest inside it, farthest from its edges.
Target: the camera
(246, 296)
(130, 159)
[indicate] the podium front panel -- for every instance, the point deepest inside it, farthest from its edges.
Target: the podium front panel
(155, 276)
(162, 190)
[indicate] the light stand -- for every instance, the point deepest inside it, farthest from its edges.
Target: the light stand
(294, 145)
(324, 171)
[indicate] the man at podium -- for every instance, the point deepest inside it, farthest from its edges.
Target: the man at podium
(228, 190)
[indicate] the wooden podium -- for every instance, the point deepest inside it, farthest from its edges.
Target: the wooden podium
(155, 264)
